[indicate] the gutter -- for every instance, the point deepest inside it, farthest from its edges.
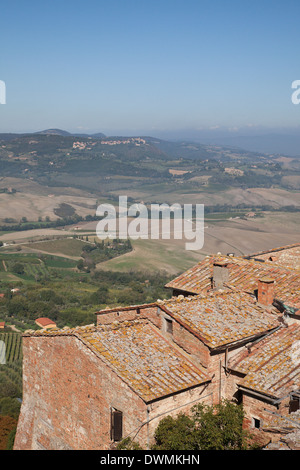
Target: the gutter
(244, 341)
(273, 401)
(270, 332)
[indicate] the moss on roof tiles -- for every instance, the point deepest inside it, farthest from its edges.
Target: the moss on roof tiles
(244, 275)
(138, 354)
(222, 318)
(272, 365)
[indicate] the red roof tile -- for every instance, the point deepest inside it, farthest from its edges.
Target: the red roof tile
(44, 321)
(285, 256)
(272, 365)
(140, 355)
(243, 275)
(221, 319)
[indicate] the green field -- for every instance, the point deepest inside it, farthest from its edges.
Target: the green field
(69, 247)
(24, 267)
(13, 346)
(11, 374)
(154, 255)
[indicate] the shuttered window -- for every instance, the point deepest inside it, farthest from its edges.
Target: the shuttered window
(116, 425)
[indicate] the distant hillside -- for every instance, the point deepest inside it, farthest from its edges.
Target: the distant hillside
(54, 132)
(61, 132)
(56, 144)
(97, 135)
(288, 145)
(55, 157)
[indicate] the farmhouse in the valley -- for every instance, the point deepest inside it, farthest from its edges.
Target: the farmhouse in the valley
(44, 322)
(231, 330)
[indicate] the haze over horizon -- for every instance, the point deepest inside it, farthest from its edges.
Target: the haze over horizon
(194, 69)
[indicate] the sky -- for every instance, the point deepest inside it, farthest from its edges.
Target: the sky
(126, 66)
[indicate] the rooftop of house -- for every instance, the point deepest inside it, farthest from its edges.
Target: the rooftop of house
(44, 321)
(286, 256)
(271, 366)
(139, 354)
(289, 429)
(220, 319)
(243, 274)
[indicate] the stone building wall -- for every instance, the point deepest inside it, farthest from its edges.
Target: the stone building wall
(68, 395)
(260, 413)
(179, 403)
(129, 314)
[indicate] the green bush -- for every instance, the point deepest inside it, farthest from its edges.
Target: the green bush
(218, 427)
(128, 444)
(175, 434)
(10, 407)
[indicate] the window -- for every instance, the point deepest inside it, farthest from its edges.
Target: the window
(294, 404)
(168, 325)
(256, 423)
(116, 425)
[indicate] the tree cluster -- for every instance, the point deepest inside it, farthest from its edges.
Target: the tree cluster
(216, 427)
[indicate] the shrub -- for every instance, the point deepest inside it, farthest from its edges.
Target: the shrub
(218, 427)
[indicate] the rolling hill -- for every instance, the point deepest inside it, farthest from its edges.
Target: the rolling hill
(41, 171)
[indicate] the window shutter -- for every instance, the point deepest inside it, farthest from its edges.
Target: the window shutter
(116, 425)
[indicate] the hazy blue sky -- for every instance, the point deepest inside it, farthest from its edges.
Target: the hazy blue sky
(147, 65)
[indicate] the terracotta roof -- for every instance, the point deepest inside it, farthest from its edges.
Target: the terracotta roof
(196, 280)
(272, 365)
(288, 427)
(284, 424)
(122, 308)
(140, 355)
(286, 256)
(44, 321)
(222, 318)
(243, 275)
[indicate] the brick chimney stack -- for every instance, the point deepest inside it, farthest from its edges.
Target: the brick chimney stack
(220, 274)
(266, 291)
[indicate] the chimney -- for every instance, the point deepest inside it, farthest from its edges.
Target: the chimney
(220, 274)
(266, 290)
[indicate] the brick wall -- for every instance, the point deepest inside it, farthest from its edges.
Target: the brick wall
(261, 410)
(186, 340)
(175, 404)
(128, 314)
(68, 393)
(67, 397)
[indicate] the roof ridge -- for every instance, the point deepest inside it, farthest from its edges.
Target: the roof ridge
(272, 250)
(211, 294)
(65, 330)
(125, 307)
(121, 324)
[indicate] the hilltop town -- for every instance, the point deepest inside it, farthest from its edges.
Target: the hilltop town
(230, 330)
